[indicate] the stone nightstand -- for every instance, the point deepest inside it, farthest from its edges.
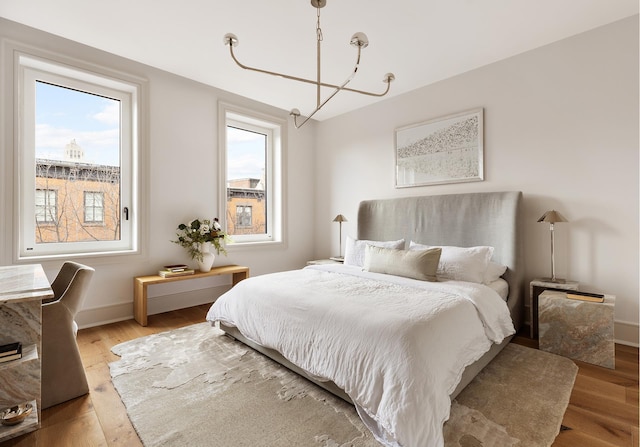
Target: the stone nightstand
(581, 330)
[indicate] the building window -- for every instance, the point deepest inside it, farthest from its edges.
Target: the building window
(93, 207)
(243, 216)
(79, 137)
(252, 175)
(46, 209)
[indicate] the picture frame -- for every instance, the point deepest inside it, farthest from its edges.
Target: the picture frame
(448, 149)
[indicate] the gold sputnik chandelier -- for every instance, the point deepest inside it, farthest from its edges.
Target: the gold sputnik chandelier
(358, 40)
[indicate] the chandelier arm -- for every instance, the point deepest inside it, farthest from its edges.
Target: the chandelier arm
(295, 121)
(318, 64)
(318, 83)
(274, 73)
(308, 81)
(362, 92)
(335, 92)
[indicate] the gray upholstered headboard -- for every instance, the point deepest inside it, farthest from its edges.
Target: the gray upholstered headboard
(464, 220)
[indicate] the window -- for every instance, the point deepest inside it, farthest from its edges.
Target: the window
(243, 216)
(251, 168)
(93, 207)
(46, 210)
(77, 155)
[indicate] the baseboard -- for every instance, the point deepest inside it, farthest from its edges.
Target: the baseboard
(627, 333)
(100, 315)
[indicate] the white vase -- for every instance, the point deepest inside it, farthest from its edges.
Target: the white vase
(207, 257)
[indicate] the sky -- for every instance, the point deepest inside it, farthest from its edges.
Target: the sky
(246, 156)
(63, 115)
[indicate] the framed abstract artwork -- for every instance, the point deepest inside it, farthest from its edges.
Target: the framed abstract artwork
(449, 149)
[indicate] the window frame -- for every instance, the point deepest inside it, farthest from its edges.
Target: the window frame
(31, 65)
(275, 173)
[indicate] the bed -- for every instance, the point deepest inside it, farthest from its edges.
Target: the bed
(370, 337)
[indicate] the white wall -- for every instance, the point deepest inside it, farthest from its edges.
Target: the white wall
(182, 183)
(561, 125)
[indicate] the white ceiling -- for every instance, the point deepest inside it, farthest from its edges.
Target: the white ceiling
(421, 42)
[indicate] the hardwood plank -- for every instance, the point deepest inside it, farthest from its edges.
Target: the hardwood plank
(66, 411)
(625, 374)
(85, 430)
(573, 438)
(632, 395)
(598, 426)
(601, 389)
(627, 350)
(110, 410)
(80, 430)
(627, 413)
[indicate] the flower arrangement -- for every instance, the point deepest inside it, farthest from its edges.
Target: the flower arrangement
(199, 231)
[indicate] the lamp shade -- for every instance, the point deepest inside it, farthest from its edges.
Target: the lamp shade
(552, 217)
(340, 218)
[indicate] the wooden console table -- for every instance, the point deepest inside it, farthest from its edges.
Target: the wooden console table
(141, 283)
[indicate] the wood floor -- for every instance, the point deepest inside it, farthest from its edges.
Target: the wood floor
(603, 410)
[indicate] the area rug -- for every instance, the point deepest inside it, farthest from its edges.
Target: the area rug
(195, 386)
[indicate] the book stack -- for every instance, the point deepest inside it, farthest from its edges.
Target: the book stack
(11, 351)
(585, 296)
(170, 271)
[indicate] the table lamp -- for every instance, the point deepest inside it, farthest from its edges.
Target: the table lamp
(553, 217)
(339, 218)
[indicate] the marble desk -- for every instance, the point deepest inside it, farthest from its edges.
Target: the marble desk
(22, 289)
(580, 330)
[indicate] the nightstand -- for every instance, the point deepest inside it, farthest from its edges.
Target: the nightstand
(581, 330)
(324, 261)
(536, 287)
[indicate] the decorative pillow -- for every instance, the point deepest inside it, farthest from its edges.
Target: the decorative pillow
(494, 272)
(420, 265)
(461, 263)
(354, 249)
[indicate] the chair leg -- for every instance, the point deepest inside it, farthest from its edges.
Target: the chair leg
(63, 378)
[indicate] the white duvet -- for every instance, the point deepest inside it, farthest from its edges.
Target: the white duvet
(396, 346)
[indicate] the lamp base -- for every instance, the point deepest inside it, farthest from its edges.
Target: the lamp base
(555, 281)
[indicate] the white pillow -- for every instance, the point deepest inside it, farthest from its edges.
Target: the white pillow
(414, 264)
(461, 263)
(494, 272)
(354, 249)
